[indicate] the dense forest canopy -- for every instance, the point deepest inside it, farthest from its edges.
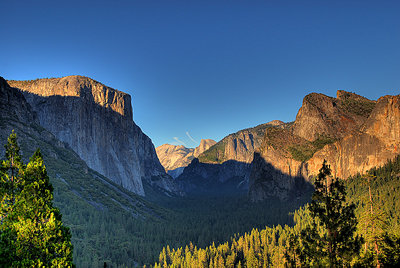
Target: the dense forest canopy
(286, 246)
(218, 231)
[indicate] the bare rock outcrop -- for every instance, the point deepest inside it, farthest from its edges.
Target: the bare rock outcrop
(377, 141)
(351, 132)
(204, 145)
(226, 165)
(97, 122)
(239, 146)
(325, 116)
(174, 157)
(13, 105)
(274, 172)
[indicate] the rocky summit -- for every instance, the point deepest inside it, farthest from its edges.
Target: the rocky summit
(175, 157)
(278, 159)
(96, 121)
(275, 159)
(351, 132)
(373, 144)
(325, 116)
(227, 162)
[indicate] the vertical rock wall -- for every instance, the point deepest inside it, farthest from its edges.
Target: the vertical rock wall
(96, 122)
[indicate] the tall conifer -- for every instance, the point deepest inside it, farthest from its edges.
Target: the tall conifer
(330, 240)
(31, 231)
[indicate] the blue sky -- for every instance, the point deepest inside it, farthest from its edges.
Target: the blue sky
(207, 68)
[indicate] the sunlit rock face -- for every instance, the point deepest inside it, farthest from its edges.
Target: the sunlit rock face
(321, 115)
(174, 157)
(96, 121)
(274, 172)
(225, 166)
(361, 134)
(375, 142)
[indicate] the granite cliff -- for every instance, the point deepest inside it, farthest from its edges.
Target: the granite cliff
(351, 132)
(325, 116)
(227, 162)
(78, 189)
(175, 157)
(238, 146)
(277, 169)
(375, 142)
(96, 121)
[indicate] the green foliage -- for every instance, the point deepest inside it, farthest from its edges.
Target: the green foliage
(385, 188)
(130, 230)
(303, 152)
(255, 249)
(382, 228)
(321, 141)
(107, 223)
(215, 154)
(390, 250)
(359, 106)
(31, 230)
(268, 247)
(204, 220)
(336, 245)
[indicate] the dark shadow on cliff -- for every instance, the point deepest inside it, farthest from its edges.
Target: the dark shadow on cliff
(259, 180)
(267, 182)
(205, 179)
(103, 138)
(217, 205)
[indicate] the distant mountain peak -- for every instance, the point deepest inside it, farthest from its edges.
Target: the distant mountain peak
(177, 156)
(276, 123)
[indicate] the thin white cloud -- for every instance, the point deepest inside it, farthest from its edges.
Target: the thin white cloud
(190, 137)
(179, 141)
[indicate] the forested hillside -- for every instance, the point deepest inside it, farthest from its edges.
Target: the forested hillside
(274, 246)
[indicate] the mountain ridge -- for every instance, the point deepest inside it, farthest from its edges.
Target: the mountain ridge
(349, 131)
(96, 121)
(175, 157)
(226, 163)
(84, 197)
(276, 159)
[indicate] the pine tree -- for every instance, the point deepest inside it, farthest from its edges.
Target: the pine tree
(373, 223)
(31, 231)
(292, 251)
(11, 171)
(336, 244)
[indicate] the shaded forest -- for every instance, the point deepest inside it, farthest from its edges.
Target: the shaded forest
(371, 198)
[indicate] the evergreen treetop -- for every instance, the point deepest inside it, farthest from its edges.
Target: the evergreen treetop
(31, 231)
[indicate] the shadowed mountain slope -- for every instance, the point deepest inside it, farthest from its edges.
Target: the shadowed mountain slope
(175, 157)
(96, 122)
(91, 204)
(351, 132)
(226, 161)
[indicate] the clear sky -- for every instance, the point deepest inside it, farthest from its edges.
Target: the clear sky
(207, 68)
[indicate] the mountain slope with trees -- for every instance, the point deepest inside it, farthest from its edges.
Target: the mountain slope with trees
(284, 246)
(95, 208)
(96, 121)
(351, 132)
